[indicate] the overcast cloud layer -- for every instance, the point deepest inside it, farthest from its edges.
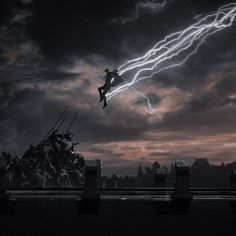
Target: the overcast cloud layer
(53, 54)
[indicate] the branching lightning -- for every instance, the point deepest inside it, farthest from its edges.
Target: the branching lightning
(149, 103)
(175, 49)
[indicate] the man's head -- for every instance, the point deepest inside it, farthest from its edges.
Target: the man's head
(107, 71)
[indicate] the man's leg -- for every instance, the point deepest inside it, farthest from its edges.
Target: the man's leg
(100, 93)
(105, 102)
(104, 96)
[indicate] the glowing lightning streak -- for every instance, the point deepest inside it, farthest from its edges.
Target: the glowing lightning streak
(149, 104)
(154, 50)
(185, 42)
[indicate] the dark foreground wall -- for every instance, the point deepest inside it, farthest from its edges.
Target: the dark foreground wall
(206, 217)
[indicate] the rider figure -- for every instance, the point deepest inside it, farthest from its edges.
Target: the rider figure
(106, 87)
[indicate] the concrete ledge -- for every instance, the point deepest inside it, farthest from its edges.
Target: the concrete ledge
(7, 206)
(88, 206)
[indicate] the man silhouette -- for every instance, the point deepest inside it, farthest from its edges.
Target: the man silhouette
(106, 87)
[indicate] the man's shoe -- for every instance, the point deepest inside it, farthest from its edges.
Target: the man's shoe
(101, 99)
(104, 105)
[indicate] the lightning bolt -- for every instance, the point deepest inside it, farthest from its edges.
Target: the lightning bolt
(175, 49)
(149, 104)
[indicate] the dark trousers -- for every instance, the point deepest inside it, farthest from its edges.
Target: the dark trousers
(102, 92)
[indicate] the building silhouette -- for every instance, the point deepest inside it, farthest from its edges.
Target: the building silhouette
(203, 174)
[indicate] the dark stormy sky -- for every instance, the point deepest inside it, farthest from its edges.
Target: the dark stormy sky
(53, 53)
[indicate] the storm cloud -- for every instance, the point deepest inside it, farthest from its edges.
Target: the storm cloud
(53, 54)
